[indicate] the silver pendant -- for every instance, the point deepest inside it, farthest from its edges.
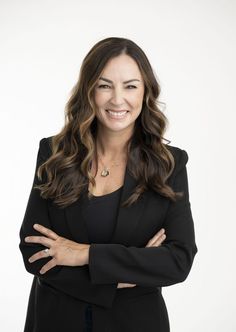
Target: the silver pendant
(104, 172)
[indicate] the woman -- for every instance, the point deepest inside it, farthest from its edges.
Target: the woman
(108, 221)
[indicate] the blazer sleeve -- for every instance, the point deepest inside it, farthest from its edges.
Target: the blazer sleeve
(165, 265)
(74, 281)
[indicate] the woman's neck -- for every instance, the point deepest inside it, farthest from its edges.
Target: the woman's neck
(112, 147)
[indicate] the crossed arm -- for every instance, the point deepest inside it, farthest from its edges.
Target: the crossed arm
(69, 253)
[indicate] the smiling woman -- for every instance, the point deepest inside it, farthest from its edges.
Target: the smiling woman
(117, 101)
(108, 221)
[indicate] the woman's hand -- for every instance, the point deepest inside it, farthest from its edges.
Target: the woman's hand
(63, 251)
(155, 241)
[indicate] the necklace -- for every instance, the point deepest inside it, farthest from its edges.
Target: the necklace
(105, 172)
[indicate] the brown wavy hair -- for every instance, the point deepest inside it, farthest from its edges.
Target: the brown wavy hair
(68, 168)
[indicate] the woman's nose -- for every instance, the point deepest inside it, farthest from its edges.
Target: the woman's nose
(117, 96)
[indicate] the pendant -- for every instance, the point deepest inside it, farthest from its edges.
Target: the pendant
(104, 172)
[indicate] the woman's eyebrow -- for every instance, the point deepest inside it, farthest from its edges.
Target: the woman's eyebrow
(109, 81)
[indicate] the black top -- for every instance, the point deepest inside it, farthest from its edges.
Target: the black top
(100, 214)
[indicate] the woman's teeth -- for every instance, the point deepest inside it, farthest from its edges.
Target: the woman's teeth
(117, 115)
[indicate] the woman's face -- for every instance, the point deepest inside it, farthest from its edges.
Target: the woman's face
(113, 93)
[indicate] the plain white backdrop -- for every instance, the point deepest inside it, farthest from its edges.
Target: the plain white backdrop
(191, 46)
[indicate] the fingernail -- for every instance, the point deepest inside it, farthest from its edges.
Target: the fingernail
(26, 239)
(30, 260)
(36, 225)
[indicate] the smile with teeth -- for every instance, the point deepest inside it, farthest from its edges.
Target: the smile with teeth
(117, 114)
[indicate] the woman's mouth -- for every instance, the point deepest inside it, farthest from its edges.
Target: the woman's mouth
(117, 114)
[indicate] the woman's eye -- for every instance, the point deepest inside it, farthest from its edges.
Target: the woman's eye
(103, 85)
(133, 86)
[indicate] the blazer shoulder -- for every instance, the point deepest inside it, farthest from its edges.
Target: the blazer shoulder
(45, 144)
(181, 157)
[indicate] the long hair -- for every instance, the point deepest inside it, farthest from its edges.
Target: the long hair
(150, 162)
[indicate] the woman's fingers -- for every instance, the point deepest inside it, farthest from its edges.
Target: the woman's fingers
(45, 240)
(39, 239)
(157, 239)
(157, 242)
(125, 285)
(46, 231)
(38, 255)
(52, 263)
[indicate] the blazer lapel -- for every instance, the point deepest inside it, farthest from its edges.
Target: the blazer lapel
(127, 217)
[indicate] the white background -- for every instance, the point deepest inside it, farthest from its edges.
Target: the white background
(191, 46)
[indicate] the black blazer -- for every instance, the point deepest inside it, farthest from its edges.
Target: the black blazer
(58, 298)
